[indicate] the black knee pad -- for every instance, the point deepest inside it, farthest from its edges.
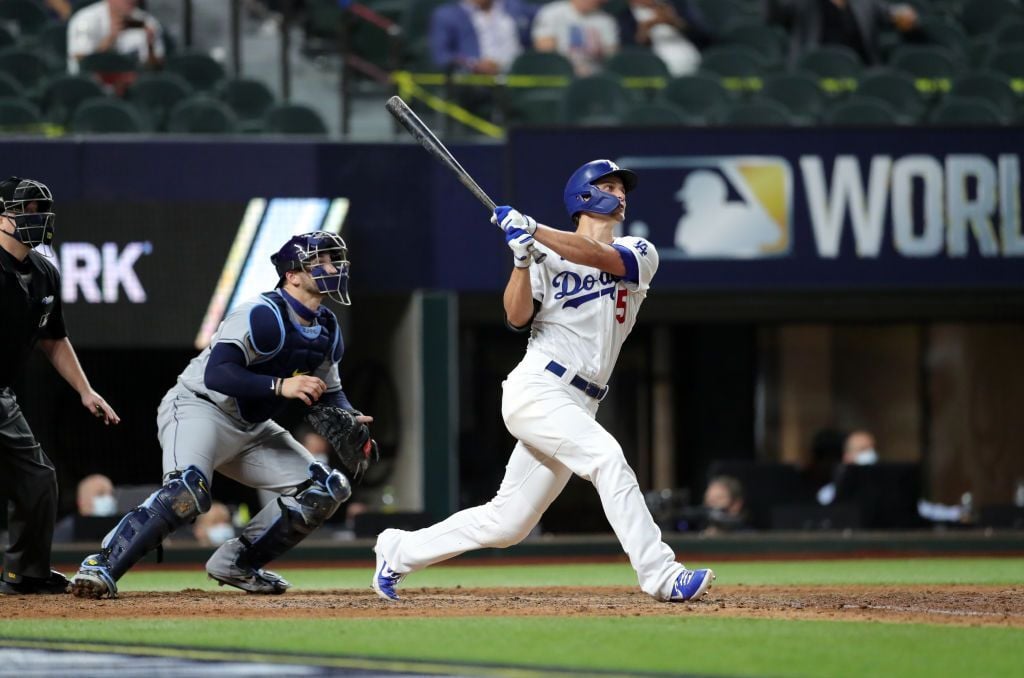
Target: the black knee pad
(316, 501)
(184, 495)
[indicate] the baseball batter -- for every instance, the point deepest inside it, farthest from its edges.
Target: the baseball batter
(280, 345)
(580, 304)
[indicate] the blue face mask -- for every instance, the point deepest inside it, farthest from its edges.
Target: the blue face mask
(104, 505)
(220, 533)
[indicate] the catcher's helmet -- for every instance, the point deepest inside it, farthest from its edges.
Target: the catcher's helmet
(304, 253)
(31, 226)
(580, 194)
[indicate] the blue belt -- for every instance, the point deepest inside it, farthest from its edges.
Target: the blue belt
(591, 389)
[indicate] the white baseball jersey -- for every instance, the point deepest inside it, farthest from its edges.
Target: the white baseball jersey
(585, 314)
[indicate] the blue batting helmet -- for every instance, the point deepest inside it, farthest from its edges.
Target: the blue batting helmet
(306, 252)
(580, 194)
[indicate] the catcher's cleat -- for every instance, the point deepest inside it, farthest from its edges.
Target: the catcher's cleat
(252, 580)
(691, 585)
(385, 579)
(55, 584)
(93, 579)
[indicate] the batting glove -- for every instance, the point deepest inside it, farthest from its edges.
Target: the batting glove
(520, 242)
(508, 218)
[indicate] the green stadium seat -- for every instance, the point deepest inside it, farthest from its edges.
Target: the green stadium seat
(990, 87)
(658, 113)
(7, 38)
(18, 115)
(861, 110)
(1009, 62)
(594, 100)
(967, 111)
(202, 115)
(643, 71)
(293, 119)
(415, 25)
(769, 41)
(945, 32)
(29, 16)
(757, 114)
(898, 91)
(26, 66)
(700, 95)
(156, 94)
(533, 106)
(53, 40)
(932, 67)
(985, 16)
(541, 63)
(202, 71)
(798, 92)
(732, 61)
(979, 49)
(9, 87)
(1009, 33)
(722, 15)
(63, 94)
(249, 99)
(838, 68)
(107, 116)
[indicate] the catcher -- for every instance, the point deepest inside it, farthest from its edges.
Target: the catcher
(282, 345)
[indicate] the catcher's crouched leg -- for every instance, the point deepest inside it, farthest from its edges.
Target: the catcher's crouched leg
(184, 495)
(275, 529)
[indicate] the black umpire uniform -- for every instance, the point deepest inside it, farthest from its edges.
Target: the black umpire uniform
(30, 308)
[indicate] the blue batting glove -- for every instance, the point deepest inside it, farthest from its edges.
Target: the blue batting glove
(520, 242)
(508, 218)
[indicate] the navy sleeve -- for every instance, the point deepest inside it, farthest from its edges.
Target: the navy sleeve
(338, 399)
(226, 373)
(629, 260)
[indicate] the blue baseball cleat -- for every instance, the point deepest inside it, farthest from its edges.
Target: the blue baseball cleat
(385, 579)
(691, 585)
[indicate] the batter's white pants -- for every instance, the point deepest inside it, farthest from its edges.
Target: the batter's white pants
(558, 436)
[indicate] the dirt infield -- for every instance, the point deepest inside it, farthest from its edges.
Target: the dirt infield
(961, 605)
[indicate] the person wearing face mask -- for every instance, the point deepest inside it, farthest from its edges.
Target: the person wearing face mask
(214, 527)
(94, 498)
(858, 450)
(723, 503)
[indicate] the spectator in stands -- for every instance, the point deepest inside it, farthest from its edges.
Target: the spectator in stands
(115, 25)
(580, 30)
(675, 30)
(853, 23)
(723, 502)
(479, 36)
(94, 497)
(858, 448)
(214, 527)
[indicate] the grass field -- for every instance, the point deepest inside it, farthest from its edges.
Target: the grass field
(674, 643)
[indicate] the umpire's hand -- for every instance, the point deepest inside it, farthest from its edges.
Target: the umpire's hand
(98, 407)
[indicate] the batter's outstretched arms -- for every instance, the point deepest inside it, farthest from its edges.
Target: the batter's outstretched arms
(576, 247)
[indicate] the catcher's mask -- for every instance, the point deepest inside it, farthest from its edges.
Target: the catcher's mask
(321, 254)
(29, 204)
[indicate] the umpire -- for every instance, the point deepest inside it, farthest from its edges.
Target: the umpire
(30, 306)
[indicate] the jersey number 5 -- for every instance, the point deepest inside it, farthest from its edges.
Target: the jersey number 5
(620, 306)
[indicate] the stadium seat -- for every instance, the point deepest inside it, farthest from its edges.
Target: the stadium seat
(756, 114)
(9, 87)
(944, 32)
(7, 39)
(202, 115)
(721, 15)
(18, 115)
(658, 113)
(837, 67)
(644, 66)
(63, 94)
(862, 110)
(967, 111)
(107, 116)
(979, 49)
(732, 61)
(1008, 61)
(984, 16)
(932, 67)
(898, 91)
(700, 95)
(25, 66)
(201, 70)
(108, 62)
(249, 99)
(541, 63)
(29, 16)
(798, 92)
(1010, 33)
(155, 94)
(533, 103)
(53, 40)
(531, 106)
(415, 23)
(988, 86)
(768, 41)
(594, 100)
(293, 119)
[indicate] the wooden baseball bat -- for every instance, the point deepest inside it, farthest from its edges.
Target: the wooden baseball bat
(426, 138)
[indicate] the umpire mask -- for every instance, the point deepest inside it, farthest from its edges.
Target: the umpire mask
(29, 204)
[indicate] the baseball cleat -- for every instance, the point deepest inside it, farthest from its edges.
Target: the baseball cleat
(385, 579)
(691, 585)
(93, 579)
(55, 584)
(252, 581)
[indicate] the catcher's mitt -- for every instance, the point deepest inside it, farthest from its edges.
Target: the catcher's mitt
(351, 440)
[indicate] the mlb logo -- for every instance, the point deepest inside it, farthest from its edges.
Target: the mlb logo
(713, 207)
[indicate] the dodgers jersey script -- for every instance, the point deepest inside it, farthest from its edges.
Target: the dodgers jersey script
(585, 314)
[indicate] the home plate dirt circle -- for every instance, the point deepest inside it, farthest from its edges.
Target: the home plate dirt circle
(932, 604)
